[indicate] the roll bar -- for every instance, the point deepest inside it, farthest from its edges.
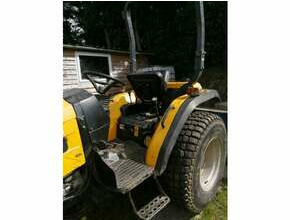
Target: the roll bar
(132, 42)
(199, 52)
(200, 39)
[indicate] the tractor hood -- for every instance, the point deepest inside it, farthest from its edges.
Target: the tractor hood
(68, 112)
(73, 155)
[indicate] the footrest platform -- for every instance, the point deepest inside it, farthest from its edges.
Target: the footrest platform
(130, 174)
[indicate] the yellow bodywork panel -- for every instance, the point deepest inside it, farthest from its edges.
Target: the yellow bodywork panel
(73, 157)
(115, 105)
(177, 85)
(160, 132)
(174, 85)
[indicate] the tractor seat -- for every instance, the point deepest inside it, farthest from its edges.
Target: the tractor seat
(148, 85)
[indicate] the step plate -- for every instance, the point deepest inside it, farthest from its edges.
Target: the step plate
(153, 207)
(130, 174)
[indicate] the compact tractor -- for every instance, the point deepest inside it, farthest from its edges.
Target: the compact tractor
(166, 131)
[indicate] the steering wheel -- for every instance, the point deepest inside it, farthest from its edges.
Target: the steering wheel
(113, 82)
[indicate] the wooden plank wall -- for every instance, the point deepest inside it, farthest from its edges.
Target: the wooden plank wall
(119, 70)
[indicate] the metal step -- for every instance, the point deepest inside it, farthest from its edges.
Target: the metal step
(130, 174)
(126, 163)
(126, 160)
(153, 207)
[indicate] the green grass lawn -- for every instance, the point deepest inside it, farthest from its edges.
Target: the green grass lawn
(217, 209)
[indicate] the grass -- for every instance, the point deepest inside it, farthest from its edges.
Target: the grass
(217, 209)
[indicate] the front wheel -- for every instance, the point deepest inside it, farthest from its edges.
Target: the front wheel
(197, 162)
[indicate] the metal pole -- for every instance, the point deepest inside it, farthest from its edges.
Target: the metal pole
(132, 42)
(199, 52)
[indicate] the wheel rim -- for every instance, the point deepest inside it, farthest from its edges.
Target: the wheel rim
(211, 164)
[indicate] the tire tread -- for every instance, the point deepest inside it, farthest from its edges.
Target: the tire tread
(178, 176)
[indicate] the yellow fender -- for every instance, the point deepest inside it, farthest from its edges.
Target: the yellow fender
(168, 129)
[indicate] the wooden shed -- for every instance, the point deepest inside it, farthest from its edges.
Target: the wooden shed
(115, 63)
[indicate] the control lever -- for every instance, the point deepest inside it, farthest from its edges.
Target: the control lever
(155, 100)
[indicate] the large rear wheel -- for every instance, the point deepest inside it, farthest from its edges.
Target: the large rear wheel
(197, 162)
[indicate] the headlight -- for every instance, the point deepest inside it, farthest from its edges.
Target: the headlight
(72, 185)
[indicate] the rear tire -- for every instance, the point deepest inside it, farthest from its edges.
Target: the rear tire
(197, 162)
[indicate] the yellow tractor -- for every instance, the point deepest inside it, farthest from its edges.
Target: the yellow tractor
(160, 130)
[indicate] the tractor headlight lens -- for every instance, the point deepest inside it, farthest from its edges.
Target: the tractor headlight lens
(67, 186)
(72, 185)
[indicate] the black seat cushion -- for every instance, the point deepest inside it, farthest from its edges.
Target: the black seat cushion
(148, 85)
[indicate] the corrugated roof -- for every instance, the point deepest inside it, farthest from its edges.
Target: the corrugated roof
(102, 50)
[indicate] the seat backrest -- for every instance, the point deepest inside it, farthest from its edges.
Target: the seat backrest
(167, 72)
(148, 85)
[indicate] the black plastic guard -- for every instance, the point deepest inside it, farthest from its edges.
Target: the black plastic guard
(93, 120)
